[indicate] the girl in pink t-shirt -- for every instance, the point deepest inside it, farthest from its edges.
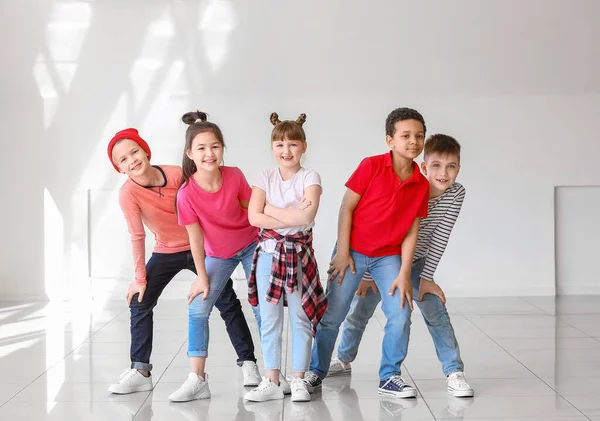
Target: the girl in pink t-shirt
(212, 203)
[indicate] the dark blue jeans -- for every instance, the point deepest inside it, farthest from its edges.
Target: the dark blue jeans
(160, 269)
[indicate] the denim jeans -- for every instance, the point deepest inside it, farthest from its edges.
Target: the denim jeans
(397, 328)
(160, 269)
(271, 316)
(218, 271)
(434, 313)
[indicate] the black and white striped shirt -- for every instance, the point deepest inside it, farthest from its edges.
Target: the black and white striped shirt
(435, 230)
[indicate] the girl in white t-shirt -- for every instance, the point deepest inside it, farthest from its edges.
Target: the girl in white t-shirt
(284, 204)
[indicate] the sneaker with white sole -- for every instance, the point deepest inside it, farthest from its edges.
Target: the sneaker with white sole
(195, 387)
(251, 374)
(266, 391)
(396, 386)
(300, 391)
(313, 381)
(458, 386)
(339, 368)
(284, 384)
(131, 381)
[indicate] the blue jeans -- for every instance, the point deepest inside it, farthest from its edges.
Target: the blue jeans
(397, 328)
(434, 313)
(218, 271)
(272, 321)
(160, 269)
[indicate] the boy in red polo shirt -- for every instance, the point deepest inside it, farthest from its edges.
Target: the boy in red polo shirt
(377, 231)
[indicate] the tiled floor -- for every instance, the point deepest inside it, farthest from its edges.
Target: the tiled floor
(528, 359)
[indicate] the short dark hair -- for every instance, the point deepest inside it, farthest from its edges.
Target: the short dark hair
(441, 144)
(401, 114)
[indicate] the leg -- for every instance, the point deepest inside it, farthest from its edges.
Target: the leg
(160, 269)
(339, 298)
(219, 271)
(246, 256)
(397, 327)
(230, 308)
(361, 311)
(438, 323)
(271, 319)
(301, 327)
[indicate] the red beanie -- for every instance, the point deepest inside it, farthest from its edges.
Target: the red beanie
(131, 134)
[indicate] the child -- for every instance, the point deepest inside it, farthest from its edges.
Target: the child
(441, 165)
(212, 204)
(148, 198)
(284, 203)
(377, 231)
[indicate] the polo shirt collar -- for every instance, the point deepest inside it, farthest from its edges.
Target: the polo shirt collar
(416, 175)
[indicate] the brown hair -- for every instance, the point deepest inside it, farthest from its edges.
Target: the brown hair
(198, 123)
(441, 144)
(288, 129)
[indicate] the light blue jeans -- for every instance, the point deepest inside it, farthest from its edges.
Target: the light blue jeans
(397, 328)
(433, 310)
(271, 316)
(218, 271)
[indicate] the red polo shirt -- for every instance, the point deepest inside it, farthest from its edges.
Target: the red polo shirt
(387, 207)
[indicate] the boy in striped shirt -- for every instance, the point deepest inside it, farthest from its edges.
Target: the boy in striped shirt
(441, 166)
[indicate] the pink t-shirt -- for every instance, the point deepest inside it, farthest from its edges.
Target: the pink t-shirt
(222, 220)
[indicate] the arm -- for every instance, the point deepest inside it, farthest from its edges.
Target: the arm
(298, 217)
(133, 216)
(342, 258)
(201, 285)
(440, 237)
(403, 282)
(256, 215)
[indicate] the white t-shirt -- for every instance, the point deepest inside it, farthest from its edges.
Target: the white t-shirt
(286, 194)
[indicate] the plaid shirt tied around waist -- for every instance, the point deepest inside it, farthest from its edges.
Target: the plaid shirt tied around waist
(284, 273)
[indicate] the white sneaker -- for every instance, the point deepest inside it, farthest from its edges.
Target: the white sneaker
(195, 387)
(251, 374)
(131, 381)
(339, 368)
(285, 386)
(458, 386)
(299, 390)
(266, 391)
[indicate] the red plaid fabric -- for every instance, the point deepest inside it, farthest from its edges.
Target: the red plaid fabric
(284, 273)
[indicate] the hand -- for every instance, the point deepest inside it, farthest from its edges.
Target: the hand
(338, 266)
(403, 284)
(200, 286)
(135, 288)
(304, 204)
(364, 286)
(430, 287)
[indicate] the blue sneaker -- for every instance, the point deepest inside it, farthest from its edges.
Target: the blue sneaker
(396, 386)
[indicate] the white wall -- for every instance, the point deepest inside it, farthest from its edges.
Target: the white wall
(577, 233)
(516, 82)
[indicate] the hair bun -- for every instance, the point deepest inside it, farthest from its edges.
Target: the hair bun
(193, 117)
(274, 119)
(301, 119)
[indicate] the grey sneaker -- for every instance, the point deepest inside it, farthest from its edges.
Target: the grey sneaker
(339, 368)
